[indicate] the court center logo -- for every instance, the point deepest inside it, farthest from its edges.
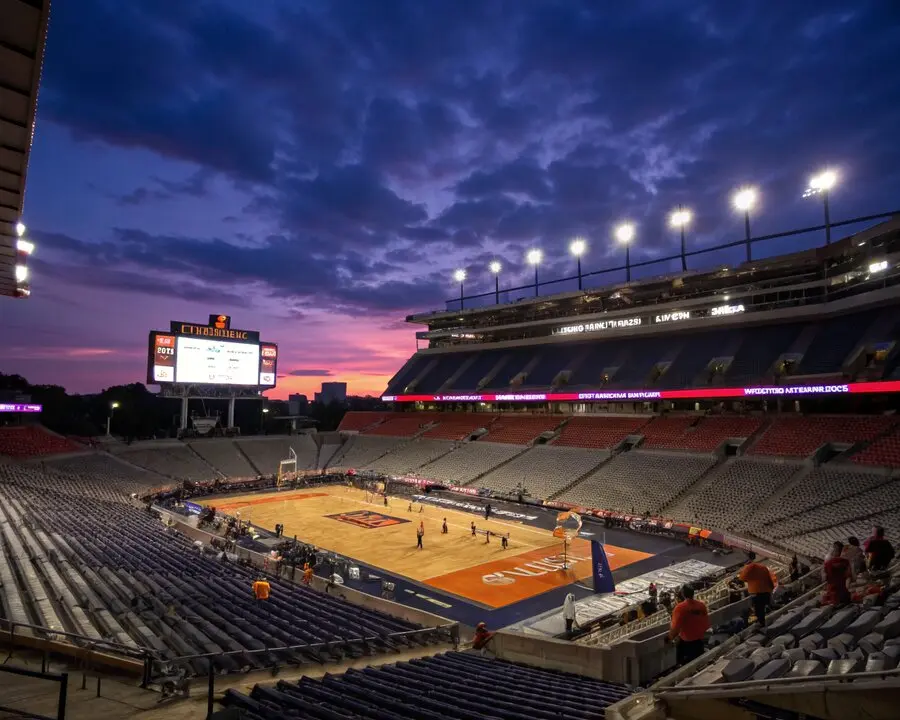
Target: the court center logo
(367, 519)
(537, 568)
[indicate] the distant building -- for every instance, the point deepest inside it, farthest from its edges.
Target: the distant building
(332, 392)
(297, 404)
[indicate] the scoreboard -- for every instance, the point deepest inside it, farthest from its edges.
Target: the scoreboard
(212, 354)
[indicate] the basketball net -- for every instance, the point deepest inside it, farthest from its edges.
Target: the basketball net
(286, 466)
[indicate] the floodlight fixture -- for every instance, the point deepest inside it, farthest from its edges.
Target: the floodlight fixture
(20, 229)
(821, 184)
(534, 257)
(460, 277)
(21, 274)
(26, 247)
(680, 219)
(625, 234)
(577, 247)
(745, 198)
(495, 267)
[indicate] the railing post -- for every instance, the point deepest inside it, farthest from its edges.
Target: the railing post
(63, 695)
(98, 686)
(211, 689)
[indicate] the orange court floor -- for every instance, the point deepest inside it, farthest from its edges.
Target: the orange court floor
(357, 525)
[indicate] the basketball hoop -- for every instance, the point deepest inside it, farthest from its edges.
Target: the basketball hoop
(568, 525)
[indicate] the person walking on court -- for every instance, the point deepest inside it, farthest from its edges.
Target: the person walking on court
(420, 533)
(760, 584)
(444, 529)
(690, 621)
(487, 511)
(473, 528)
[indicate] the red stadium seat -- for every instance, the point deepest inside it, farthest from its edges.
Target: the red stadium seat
(885, 451)
(355, 420)
(400, 425)
(704, 436)
(458, 426)
(599, 432)
(522, 429)
(800, 435)
(33, 441)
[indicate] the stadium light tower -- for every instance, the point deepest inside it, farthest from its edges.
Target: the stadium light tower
(460, 277)
(624, 235)
(821, 184)
(495, 268)
(112, 409)
(744, 200)
(534, 257)
(577, 248)
(680, 219)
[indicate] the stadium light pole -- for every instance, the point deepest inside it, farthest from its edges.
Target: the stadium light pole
(534, 257)
(821, 184)
(624, 235)
(744, 200)
(496, 267)
(577, 248)
(112, 409)
(460, 277)
(680, 219)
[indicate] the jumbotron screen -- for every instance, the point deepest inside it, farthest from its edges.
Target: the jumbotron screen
(213, 354)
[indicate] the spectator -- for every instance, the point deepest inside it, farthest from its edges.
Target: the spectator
(760, 584)
(261, 589)
(879, 551)
(569, 613)
(853, 553)
(482, 637)
(837, 572)
(794, 569)
(690, 621)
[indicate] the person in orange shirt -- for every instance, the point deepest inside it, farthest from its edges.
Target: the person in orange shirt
(307, 574)
(261, 589)
(760, 584)
(690, 621)
(482, 637)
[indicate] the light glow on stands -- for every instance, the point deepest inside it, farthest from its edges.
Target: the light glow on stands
(20, 408)
(877, 267)
(885, 386)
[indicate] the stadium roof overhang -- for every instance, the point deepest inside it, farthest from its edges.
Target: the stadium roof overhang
(23, 31)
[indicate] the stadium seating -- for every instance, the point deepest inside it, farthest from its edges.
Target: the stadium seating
(543, 470)
(409, 456)
(696, 351)
(106, 469)
(666, 430)
(834, 340)
(115, 573)
(408, 373)
(733, 492)
(225, 456)
(522, 429)
(469, 461)
(599, 432)
(173, 460)
(471, 376)
(354, 420)
(757, 352)
(33, 441)
(458, 426)
(637, 481)
(883, 451)
(266, 452)
(360, 450)
(810, 640)
(801, 435)
(400, 425)
(455, 685)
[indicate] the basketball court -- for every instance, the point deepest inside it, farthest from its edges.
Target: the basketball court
(356, 524)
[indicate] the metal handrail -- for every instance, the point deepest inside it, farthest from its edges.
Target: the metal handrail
(136, 652)
(449, 628)
(61, 678)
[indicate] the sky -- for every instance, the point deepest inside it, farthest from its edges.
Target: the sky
(319, 169)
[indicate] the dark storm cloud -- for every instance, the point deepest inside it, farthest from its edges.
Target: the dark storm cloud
(378, 137)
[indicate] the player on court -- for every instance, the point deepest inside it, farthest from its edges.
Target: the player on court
(420, 533)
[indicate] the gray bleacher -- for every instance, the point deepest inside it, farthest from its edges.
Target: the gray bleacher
(639, 480)
(224, 455)
(267, 452)
(469, 461)
(175, 461)
(543, 470)
(411, 455)
(123, 476)
(360, 450)
(734, 491)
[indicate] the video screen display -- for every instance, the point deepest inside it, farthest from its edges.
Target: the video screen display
(203, 361)
(216, 362)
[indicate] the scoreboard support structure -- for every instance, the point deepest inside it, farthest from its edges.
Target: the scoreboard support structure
(186, 393)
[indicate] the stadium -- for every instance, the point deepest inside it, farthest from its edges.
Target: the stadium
(554, 483)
